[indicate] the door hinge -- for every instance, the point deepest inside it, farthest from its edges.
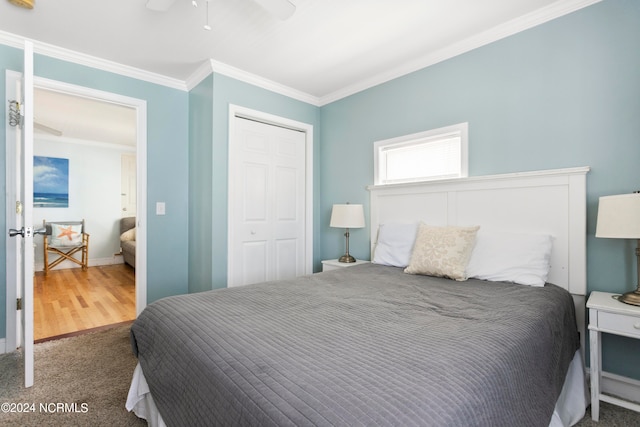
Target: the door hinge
(19, 304)
(18, 207)
(15, 118)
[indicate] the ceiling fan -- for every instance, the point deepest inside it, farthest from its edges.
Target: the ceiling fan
(282, 9)
(27, 4)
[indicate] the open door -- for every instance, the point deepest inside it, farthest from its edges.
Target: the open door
(21, 222)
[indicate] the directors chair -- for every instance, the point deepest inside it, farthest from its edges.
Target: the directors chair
(65, 239)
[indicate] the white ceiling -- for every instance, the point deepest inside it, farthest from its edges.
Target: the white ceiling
(326, 50)
(69, 117)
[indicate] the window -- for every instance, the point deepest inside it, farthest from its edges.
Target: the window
(425, 156)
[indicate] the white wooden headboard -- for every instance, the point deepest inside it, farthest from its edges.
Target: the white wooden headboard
(549, 201)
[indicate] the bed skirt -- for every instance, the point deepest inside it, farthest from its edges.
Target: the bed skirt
(570, 407)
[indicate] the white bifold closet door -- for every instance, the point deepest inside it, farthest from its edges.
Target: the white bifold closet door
(266, 203)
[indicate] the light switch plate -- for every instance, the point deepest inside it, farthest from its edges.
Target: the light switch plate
(160, 208)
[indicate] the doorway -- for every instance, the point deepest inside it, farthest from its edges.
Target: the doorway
(54, 128)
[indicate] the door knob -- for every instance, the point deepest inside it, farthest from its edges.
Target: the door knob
(13, 232)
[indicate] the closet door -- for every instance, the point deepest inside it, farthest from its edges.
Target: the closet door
(266, 203)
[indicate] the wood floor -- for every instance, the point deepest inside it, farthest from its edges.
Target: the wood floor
(71, 300)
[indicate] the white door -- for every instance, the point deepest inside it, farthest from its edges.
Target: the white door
(267, 192)
(20, 223)
(128, 185)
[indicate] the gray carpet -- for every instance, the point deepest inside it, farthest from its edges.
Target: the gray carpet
(611, 416)
(92, 373)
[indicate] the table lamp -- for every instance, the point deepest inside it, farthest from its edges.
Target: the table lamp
(619, 218)
(347, 216)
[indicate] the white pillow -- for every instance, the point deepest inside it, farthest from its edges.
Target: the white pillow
(511, 257)
(395, 243)
(442, 251)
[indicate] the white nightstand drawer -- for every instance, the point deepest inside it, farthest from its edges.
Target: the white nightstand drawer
(627, 325)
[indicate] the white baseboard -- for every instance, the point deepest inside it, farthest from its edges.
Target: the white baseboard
(116, 259)
(3, 345)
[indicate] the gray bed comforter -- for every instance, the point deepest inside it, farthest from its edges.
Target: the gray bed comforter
(364, 345)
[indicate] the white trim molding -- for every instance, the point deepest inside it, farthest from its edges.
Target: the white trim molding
(87, 143)
(63, 54)
(213, 66)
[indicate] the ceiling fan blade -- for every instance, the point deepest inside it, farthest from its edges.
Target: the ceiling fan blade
(159, 5)
(47, 129)
(282, 9)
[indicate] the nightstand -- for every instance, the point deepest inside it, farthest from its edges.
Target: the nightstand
(334, 264)
(608, 315)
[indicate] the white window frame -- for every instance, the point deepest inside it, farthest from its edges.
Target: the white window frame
(435, 135)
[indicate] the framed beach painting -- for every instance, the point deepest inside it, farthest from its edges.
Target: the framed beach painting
(50, 182)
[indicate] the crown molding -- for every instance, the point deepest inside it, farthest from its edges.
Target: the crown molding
(525, 22)
(85, 142)
(11, 40)
(221, 68)
(262, 82)
(57, 52)
(201, 73)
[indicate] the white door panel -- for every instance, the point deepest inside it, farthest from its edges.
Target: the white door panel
(255, 192)
(266, 203)
(287, 186)
(287, 253)
(27, 217)
(20, 252)
(255, 269)
(128, 185)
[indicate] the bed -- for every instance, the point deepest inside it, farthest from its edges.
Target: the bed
(375, 345)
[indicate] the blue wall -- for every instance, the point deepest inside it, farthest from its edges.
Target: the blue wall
(200, 188)
(563, 94)
(209, 168)
(167, 167)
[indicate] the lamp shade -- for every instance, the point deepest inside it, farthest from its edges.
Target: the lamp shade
(619, 216)
(347, 216)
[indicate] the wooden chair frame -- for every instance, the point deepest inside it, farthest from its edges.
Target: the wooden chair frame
(65, 252)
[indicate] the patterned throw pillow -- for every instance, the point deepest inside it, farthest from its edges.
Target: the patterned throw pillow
(65, 235)
(442, 251)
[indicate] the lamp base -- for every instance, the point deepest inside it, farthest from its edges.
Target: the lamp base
(632, 297)
(347, 258)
